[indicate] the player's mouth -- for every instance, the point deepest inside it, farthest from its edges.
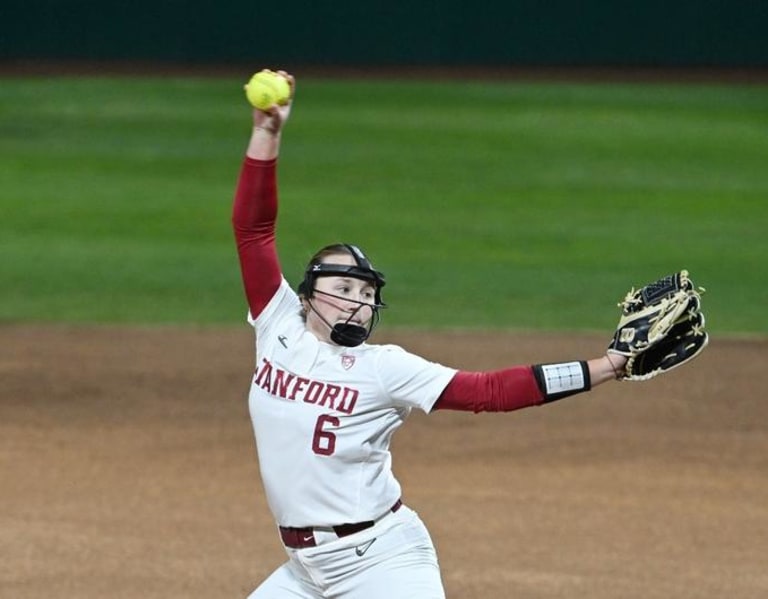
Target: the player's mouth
(355, 321)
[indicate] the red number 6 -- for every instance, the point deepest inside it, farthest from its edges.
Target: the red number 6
(324, 442)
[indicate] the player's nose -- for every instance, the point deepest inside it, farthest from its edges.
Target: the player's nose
(353, 305)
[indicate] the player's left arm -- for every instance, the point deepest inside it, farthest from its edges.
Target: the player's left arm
(523, 386)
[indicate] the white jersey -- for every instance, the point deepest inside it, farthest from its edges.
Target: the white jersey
(323, 416)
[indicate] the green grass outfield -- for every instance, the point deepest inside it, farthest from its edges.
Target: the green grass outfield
(488, 205)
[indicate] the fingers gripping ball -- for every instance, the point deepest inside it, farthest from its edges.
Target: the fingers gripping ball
(267, 88)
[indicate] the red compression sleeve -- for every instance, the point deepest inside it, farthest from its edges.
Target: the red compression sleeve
(496, 391)
(254, 214)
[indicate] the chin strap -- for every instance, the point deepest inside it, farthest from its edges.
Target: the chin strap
(349, 335)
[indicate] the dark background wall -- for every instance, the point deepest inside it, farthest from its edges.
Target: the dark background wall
(704, 33)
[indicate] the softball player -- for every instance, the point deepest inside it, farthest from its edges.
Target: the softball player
(324, 405)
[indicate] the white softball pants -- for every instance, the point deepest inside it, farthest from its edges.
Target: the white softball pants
(394, 559)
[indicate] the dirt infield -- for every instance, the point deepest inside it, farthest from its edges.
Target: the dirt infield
(128, 470)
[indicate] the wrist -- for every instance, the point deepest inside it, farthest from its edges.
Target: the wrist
(264, 129)
(264, 143)
(616, 364)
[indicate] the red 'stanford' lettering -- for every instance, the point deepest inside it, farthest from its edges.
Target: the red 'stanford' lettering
(279, 383)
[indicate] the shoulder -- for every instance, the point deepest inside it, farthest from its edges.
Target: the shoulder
(394, 360)
(407, 379)
(283, 304)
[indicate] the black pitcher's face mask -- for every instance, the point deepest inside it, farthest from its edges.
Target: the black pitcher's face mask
(357, 318)
(351, 332)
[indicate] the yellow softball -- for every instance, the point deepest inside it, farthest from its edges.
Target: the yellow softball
(267, 88)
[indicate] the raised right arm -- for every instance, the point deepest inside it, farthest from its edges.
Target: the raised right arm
(254, 213)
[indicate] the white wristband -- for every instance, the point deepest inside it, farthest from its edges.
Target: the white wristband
(562, 379)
